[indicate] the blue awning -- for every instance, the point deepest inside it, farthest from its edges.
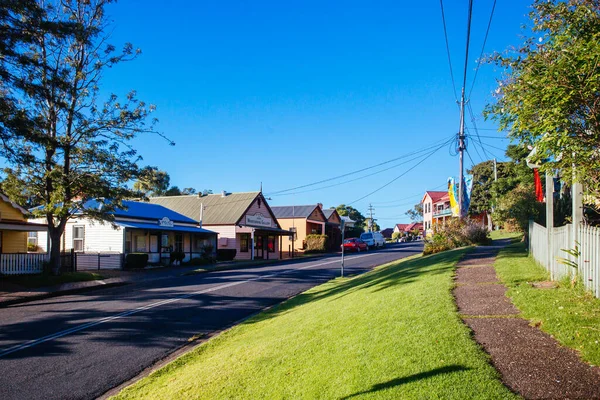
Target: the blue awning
(156, 227)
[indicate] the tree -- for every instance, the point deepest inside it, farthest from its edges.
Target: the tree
(374, 228)
(415, 213)
(66, 146)
(550, 97)
(173, 191)
(355, 215)
(152, 182)
(516, 207)
(483, 180)
(188, 191)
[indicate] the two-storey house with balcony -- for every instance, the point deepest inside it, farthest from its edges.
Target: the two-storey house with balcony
(436, 209)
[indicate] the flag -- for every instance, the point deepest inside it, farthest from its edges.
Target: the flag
(539, 192)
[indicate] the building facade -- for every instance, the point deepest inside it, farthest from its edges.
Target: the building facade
(436, 209)
(244, 221)
(303, 220)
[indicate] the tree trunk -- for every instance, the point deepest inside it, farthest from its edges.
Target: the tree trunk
(55, 259)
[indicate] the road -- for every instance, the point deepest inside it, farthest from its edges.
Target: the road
(81, 346)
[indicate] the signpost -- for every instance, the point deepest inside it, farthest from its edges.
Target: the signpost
(343, 231)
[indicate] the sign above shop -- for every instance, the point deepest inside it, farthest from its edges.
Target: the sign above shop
(258, 220)
(166, 222)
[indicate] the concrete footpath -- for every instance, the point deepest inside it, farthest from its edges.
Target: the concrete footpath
(531, 363)
(13, 294)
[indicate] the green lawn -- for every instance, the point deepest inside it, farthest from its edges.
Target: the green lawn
(495, 235)
(569, 314)
(392, 333)
(37, 281)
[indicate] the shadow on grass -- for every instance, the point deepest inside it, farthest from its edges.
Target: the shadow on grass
(403, 272)
(411, 378)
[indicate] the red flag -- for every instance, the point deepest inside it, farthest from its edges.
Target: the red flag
(539, 192)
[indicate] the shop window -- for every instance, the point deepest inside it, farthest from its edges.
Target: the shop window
(78, 235)
(244, 242)
(140, 244)
(179, 242)
(271, 244)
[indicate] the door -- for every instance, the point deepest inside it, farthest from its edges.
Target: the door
(259, 247)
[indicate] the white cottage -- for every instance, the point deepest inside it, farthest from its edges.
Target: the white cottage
(244, 221)
(139, 227)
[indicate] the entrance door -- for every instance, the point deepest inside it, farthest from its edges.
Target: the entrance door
(259, 246)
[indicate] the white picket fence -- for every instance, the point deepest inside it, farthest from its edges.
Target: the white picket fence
(21, 263)
(548, 253)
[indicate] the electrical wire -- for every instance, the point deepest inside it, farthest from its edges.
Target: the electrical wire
(351, 180)
(448, 51)
(482, 49)
(399, 176)
(356, 171)
(469, 19)
(476, 130)
(406, 198)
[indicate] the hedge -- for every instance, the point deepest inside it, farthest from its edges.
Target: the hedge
(226, 254)
(136, 260)
(316, 243)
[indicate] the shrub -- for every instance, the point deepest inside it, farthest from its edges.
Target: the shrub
(396, 235)
(32, 247)
(456, 233)
(226, 254)
(176, 256)
(316, 243)
(199, 261)
(136, 260)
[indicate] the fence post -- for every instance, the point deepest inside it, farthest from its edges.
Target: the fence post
(73, 261)
(549, 220)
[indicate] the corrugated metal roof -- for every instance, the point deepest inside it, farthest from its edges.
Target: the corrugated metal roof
(218, 210)
(328, 212)
(138, 209)
(293, 211)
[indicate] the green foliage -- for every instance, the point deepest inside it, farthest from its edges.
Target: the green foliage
(316, 243)
(356, 216)
(415, 213)
(152, 181)
(32, 247)
(226, 254)
(61, 142)
(517, 207)
(396, 235)
(551, 95)
(176, 257)
(136, 260)
(456, 233)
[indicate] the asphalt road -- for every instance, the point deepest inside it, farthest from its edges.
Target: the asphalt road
(81, 346)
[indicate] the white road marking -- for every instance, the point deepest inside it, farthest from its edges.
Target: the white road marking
(35, 342)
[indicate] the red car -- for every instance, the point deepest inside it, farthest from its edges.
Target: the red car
(355, 244)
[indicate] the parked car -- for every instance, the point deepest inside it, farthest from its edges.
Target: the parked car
(355, 244)
(373, 239)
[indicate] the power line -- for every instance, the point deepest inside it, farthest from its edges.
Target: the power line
(355, 179)
(399, 176)
(476, 130)
(354, 172)
(448, 50)
(482, 48)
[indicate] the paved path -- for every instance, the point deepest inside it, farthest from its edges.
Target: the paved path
(80, 346)
(531, 362)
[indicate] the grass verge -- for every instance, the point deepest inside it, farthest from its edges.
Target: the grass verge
(495, 235)
(390, 333)
(569, 314)
(37, 281)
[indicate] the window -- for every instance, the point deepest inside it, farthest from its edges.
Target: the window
(244, 242)
(179, 242)
(78, 238)
(32, 239)
(271, 244)
(140, 244)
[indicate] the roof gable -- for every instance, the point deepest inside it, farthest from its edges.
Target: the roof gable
(142, 210)
(218, 209)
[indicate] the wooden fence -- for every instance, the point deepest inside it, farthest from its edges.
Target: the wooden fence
(550, 251)
(22, 263)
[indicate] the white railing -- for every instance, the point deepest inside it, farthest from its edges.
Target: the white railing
(21, 263)
(548, 252)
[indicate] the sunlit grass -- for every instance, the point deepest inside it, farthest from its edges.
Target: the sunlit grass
(570, 314)
(392, 333)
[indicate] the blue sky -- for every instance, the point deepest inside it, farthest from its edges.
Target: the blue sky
(289, 93)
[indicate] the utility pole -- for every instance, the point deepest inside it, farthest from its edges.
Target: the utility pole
(371, 220)
(461, 149)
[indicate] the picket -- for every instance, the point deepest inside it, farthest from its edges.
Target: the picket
(21, 263)
(588, 261)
